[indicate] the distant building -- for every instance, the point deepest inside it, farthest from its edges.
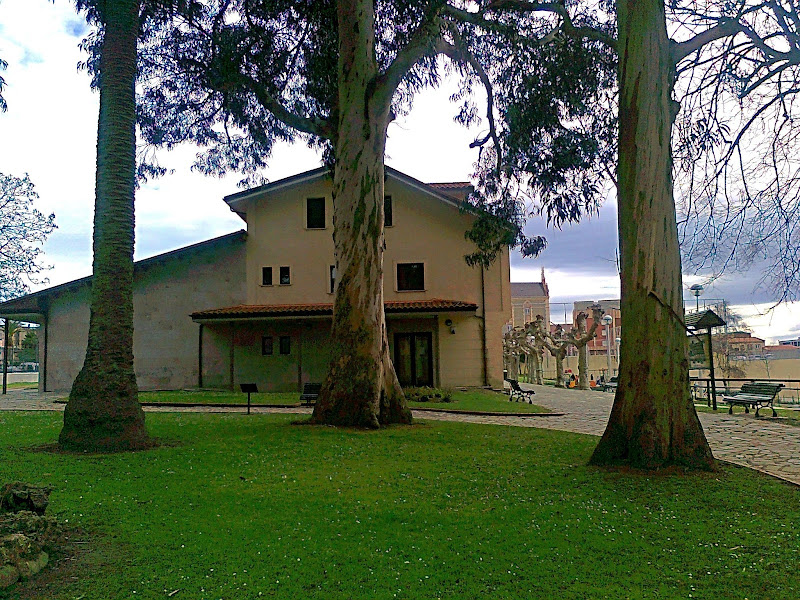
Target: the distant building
(599, 345)
(795, 343)
(739, 344)
(528, 300)
(782, 351)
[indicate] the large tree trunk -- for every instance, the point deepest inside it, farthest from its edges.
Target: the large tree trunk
(103, 412)
(361, 388)
(653, 422)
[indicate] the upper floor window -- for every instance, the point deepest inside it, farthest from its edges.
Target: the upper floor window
(388, 217)
(315, 213)
(266, 275)
(332, 279)
(410, 277)
(285, 344)
(266, 345)
(285, 276)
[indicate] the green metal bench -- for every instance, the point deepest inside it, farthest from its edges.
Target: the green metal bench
(310, 393)
(754, 395)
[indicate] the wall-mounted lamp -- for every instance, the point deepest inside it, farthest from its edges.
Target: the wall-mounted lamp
(449, 323)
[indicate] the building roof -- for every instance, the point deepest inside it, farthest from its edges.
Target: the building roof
(31, 304)
(533, 289)
(259, 311)
(440, 191)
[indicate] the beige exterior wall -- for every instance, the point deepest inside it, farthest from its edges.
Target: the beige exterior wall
(165, 340)
(425, 229)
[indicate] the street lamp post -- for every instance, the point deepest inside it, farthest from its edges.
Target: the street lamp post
(697, 289)
(607, 320)
(618, 341)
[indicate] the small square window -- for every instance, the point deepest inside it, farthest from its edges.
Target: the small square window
(285, 276)
(266, 275)
(332, 279)
(285, 343)
(388, 217)
(410, 277)
(315, 213)
(266, 345)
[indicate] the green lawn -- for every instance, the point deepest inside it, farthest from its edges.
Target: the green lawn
(250, 507)
(473, 400)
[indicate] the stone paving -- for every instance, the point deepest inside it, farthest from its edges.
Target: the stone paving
(766, 444)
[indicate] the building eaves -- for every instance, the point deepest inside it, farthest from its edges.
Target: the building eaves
(260, 311)
(233, 200)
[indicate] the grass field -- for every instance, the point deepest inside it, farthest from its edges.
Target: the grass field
(250, 507)
(472, 400)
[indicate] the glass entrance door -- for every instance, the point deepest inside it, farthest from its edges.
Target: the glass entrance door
(413, 358)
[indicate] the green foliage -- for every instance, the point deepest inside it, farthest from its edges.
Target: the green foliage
(23, 230)
(428, 394)
(231, 506)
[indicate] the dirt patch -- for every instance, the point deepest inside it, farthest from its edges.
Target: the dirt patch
(75, 557)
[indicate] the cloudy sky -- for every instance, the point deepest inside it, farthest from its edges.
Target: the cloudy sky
(50, 131)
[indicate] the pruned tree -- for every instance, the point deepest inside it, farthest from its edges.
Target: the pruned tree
(557, 343)
(536, 338)
(236, 75)
(580, 338)
(103, 412)
(23, 230)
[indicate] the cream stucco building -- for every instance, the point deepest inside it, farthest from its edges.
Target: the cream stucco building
(257, 306)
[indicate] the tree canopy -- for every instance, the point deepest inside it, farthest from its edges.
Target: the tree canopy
(23, 229)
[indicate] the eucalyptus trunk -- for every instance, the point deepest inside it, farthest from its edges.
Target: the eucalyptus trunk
(653, 422)
(361, 388)
(103, 412)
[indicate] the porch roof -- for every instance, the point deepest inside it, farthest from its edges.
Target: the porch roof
(255, 311)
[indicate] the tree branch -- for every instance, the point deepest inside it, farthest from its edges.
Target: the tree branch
(422, 42)
(315, 126)
(721, 30)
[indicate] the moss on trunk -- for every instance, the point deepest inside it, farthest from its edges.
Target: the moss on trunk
(653, 423)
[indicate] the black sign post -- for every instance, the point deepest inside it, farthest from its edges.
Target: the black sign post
(706, 320)
(249, 388)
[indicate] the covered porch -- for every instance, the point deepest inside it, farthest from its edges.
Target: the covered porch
(280, 347)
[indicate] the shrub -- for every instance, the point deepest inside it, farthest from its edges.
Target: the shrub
(428, 394)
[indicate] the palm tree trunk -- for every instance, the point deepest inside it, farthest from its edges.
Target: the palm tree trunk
(103, 412)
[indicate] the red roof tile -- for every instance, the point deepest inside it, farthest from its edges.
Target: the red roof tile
(243, 311)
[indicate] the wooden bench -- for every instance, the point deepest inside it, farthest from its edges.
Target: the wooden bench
(754, 395)
(518, 394)
(310, 393)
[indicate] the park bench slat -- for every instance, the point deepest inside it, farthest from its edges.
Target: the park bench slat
(754, 395)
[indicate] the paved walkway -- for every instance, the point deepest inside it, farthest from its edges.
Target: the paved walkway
(765, 444)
